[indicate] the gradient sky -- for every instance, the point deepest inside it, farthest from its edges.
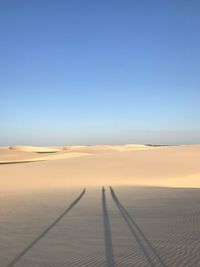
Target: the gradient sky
(93, 72)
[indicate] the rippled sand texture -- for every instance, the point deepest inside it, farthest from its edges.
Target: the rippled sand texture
(134, 226)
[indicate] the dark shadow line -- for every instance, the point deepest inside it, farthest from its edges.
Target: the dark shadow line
(107, 233)
(140, 235)
(157, 256)
(37, 239)
(145, 252)
(23, 161)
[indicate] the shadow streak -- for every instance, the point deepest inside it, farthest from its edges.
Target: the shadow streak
(22, 161)
(107, 233)
(37, 239)
(145, 245)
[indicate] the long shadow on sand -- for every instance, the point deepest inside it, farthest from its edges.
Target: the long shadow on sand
(37, 239)
(152, 257)
(107, 233)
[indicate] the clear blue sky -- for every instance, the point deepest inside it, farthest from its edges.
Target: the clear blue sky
(93, 72)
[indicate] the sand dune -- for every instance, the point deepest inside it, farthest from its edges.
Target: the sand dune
(7, 154)
(177, 166)
(13, 155)
(24, 154)
(124, 226)
(37, 149)
(106, 148)
(94, 149)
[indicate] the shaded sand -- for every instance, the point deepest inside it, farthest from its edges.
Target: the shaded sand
(43, 234)
(160, 227)
(177, 166)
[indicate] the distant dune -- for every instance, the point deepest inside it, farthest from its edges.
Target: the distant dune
(177, 166)
(37, 149)
(22, 154)
(106, 148)
(25, 154)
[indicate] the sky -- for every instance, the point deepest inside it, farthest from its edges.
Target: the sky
(99, 72)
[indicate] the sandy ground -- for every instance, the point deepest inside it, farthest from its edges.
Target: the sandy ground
(146, 226)
(46, 221)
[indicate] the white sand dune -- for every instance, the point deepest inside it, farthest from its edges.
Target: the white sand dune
(107, 148)
(100, 230)
(7, 155)
(177, 166)
(37, 149)
(21, 154)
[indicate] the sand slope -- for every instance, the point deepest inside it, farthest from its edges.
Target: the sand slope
(95, 232)
(140, 226)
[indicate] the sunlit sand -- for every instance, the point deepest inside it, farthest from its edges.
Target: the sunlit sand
(176, 166)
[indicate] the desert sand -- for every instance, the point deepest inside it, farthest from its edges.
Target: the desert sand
(173, 166)
(54, 211)
(154, 227)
